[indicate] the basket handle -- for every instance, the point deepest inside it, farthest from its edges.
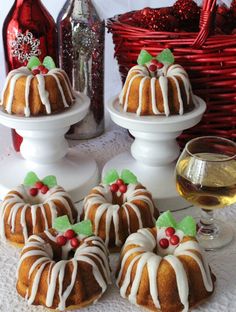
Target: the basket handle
(205, 22)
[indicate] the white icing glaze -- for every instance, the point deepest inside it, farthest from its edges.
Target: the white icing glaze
(91, 250)
(103, 203)
(19, 202)
(16, 74)
(173, 71)
(143, 251)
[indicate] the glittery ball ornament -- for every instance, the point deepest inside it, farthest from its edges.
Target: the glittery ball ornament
(186, 10)
(156, 19)
(233, 9)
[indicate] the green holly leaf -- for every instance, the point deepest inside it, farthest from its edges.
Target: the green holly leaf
(33, 62)
(188, 226)
(166, 219)
(128, 177)
(144, 57)
(50, 181)
(166, 57)
(30, 179)
(111, 176)
(61, 224)
(49, 63)
(83, 228)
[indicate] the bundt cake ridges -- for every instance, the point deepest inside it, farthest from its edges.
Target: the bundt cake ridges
(140, 276)
(113, 221)
(43, 278)
(19, 219)
(157, 89)
(62, 82)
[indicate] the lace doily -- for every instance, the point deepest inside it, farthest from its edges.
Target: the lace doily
(222, 261)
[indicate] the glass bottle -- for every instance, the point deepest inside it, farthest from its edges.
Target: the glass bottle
(28, 30)
(81, 55)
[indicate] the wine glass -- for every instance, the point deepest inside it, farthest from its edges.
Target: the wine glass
(206, 177)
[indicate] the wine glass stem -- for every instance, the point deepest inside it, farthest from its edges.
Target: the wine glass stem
(207, 226)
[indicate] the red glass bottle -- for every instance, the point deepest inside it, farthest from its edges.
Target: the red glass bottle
(28, 30)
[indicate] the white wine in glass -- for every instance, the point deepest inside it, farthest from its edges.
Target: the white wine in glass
(206, 177)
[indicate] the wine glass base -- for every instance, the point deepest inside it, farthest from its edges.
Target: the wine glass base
(219, 240)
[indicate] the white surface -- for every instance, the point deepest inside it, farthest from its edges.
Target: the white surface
(45, 149)
(154, 150)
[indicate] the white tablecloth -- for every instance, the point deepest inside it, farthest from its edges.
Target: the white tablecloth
(114, 141)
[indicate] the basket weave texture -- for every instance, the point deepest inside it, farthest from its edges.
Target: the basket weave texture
(210, 61)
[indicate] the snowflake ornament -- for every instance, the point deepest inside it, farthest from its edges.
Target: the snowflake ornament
(25, 46)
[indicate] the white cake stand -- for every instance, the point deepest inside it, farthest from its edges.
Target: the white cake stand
(45, 150)
(154, 150)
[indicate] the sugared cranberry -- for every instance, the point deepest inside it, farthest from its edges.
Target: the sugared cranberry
(61, 240)
(69, 234)
(152, 68)
(44, 71)
(44, 189)
(114, 188)
(174, 240)
(170, 231)
(164, 243)
(39, 185)
(120, 182)
(123, 188)
(158, 64)
(74, 242)
(33, 191)
(35, 71)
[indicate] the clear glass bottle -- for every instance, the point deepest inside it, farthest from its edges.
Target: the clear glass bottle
(81, 55)
(28, 30)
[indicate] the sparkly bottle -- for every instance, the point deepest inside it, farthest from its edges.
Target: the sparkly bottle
(81, 55)
(28, 30)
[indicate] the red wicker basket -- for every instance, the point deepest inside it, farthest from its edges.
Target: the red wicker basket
(210, 61)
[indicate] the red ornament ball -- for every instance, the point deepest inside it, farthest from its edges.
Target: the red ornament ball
(61, 240)
(120, 182)
(170, 231)
(74, 242)
(164, 243)
(69, 234)
(123, 188)
(44, 189)
(33, 191)
(39, 185)
(186, 10)
(174, 240)
(114, 188)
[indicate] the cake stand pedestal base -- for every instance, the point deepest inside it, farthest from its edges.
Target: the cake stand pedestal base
(154, 152)
(46, 151)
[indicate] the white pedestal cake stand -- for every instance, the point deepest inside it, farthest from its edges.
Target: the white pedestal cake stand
(46, 151)
(154, 150)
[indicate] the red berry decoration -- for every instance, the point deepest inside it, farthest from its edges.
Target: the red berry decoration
(69, 234)
(33, 191)
(170, 231)
(114, 188)
(152, 68)
(44, 189)
(123, 188)
(174, 240)
(158, 64)
(39, 185)
(120, 182)
(61, 240)
(41, 67)
(74, 242)
(35, 71)
(44, 71)
(164, 243)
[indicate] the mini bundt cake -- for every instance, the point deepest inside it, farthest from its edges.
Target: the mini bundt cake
(31, 208)
(163, 268)
(63, 271)
(157, 88)
(39, 91)
(118, 207)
